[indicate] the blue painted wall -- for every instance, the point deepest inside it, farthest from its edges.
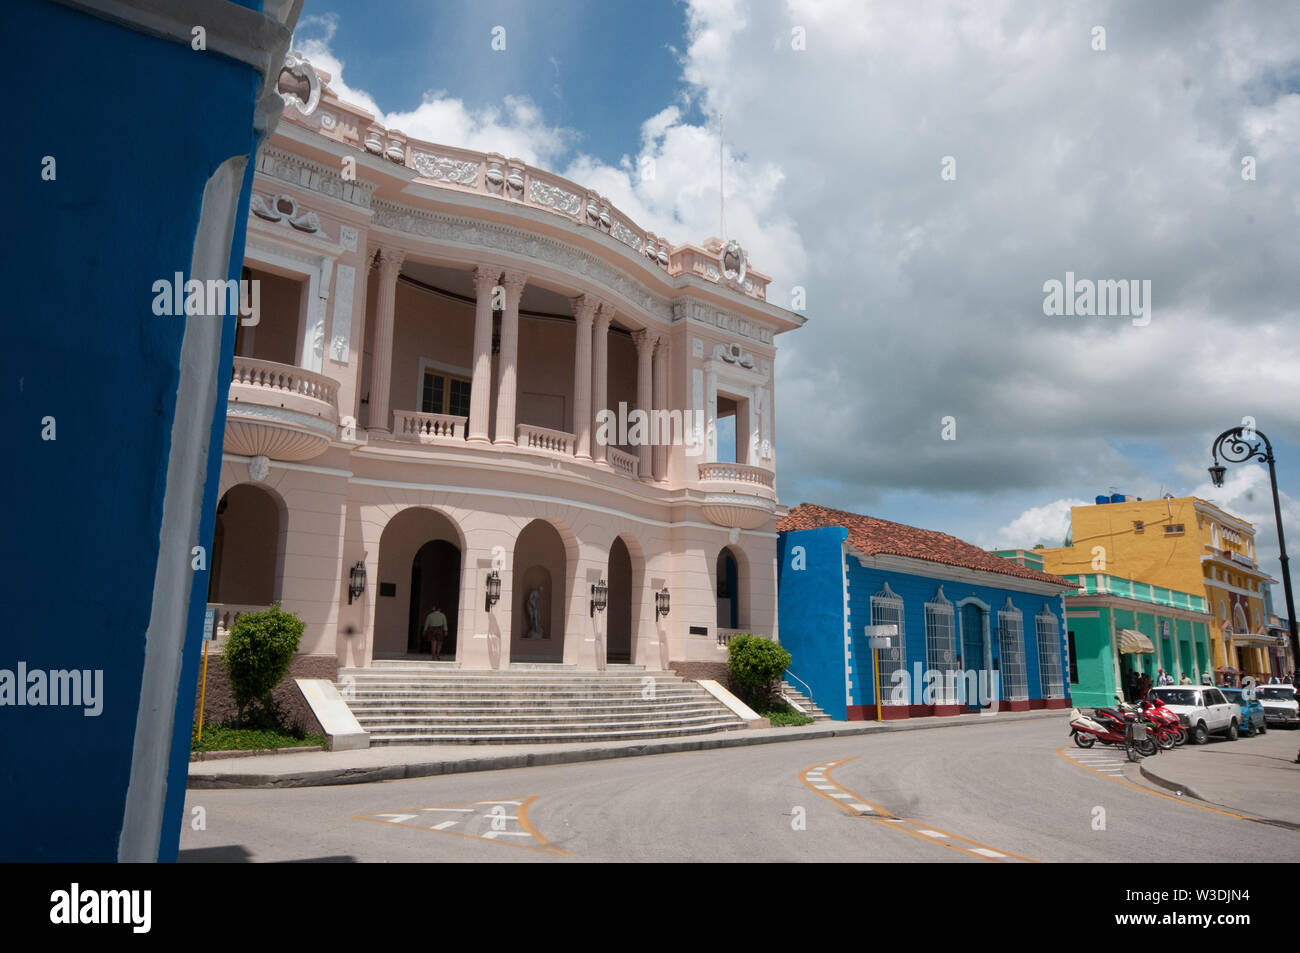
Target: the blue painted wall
(137, 125)
(810, 612)
(811, 619)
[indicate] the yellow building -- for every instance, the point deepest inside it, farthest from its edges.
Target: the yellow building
(1186, 544)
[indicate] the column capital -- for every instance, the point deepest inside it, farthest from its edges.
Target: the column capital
(662, 344)
(514, 282)
(644, 340)
(390, 260)
(486, 278)
(584, 308)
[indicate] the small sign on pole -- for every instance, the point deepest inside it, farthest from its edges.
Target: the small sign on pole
(880, 637)
(210, 625)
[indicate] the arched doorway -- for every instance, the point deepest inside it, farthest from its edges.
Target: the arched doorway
(419, 564)
(727, 580)
(435, 588)
(619, 615)
(540, 595)
(247, 559)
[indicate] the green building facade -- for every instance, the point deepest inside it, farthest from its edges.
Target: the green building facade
(1104, 620)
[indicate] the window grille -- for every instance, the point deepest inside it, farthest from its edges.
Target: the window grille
(887, 609)
(1049, 655)
(941, 648)
(1011, 628)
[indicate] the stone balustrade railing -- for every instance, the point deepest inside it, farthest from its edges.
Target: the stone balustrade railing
(284, 378)
(738, 473)
(510, 179)
(622, 462)
(420, 427)
(542, 438)
(725, 636)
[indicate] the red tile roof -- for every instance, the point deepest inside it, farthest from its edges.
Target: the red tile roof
(871, 537)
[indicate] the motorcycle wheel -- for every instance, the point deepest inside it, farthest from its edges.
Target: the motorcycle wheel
(1167, 740)
(1180, 737)
(1084, 740)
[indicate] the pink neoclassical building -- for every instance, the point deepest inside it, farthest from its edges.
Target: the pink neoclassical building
(415, 420)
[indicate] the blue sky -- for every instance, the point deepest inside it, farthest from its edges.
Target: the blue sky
(924, 294)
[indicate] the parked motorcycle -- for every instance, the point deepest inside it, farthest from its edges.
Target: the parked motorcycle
(1170, 727)
(1119, 730)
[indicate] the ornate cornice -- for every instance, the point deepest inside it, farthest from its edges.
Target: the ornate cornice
(522, 244)
(306, 174)
(697, 312)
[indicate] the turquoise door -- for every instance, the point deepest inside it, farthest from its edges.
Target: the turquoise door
(972, 653)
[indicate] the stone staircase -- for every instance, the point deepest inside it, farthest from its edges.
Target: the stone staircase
(414, 702)
(803, 701)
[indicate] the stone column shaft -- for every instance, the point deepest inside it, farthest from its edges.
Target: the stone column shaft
(480, 388)
(584, 309)
(508, 370)
(600, 372)
(381, 372)
(661, 401)
(644, 396)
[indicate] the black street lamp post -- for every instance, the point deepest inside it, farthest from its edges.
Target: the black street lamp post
(1239, 445)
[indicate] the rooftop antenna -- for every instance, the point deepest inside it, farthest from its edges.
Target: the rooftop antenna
(722, 195)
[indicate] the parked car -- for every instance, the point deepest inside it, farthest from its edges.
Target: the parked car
(1252, 712)
(1280, 706)
(1202, 709)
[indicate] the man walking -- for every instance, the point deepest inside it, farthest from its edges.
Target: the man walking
(435, 626)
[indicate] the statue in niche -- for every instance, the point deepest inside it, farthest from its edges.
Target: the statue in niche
(534, 609)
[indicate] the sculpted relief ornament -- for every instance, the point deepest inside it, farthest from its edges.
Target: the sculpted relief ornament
(298, 84)
(445, 169)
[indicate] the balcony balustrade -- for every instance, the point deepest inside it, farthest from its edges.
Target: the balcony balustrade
(419, 427)
(542, 438)
(280, 411)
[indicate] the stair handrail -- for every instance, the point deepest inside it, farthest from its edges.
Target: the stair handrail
(790, 674)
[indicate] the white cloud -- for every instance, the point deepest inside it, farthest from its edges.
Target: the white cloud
(1048, 524)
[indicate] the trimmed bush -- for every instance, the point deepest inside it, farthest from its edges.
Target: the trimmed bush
(258, 652)
(756, 666)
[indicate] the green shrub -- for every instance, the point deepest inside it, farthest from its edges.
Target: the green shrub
(756, 665)
(257, 655)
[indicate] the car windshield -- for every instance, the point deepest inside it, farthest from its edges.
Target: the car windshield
(1277, 693)
(1232, 694)
(1178, 696)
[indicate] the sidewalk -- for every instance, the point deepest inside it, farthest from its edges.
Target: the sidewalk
(1255, 776)
(395, 762)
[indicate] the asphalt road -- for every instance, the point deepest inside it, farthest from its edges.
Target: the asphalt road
(995, 793)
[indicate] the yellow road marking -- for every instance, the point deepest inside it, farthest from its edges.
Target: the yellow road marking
(904, 825)
(1190, 802)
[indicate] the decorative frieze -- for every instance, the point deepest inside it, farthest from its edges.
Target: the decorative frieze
(344, 286)
(699, 313)
(445, 169)
(552, 196)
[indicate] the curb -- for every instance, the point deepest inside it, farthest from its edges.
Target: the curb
(196, 756)
(732, 739)
(1168, 785)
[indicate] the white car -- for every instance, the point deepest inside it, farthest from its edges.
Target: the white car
(1280, 706)
(1202, 709)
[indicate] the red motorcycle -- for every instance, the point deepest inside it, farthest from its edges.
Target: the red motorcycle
(1117, 729)
(1168, 725)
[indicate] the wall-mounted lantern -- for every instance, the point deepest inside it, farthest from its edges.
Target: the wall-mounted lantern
(599, 597)
(661, 603)
(493, 590)
(357, 581)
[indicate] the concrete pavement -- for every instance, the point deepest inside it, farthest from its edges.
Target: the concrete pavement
(1256, 776)
(992, 791)
(397, 762)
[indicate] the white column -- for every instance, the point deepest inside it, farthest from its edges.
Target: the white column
(381, 372)
(584, 309)
(600, 371)
(480, 388)
(661, 401)
(644, 395)
(507, 377)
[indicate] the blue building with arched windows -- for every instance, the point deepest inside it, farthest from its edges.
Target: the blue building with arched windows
(976, 632)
